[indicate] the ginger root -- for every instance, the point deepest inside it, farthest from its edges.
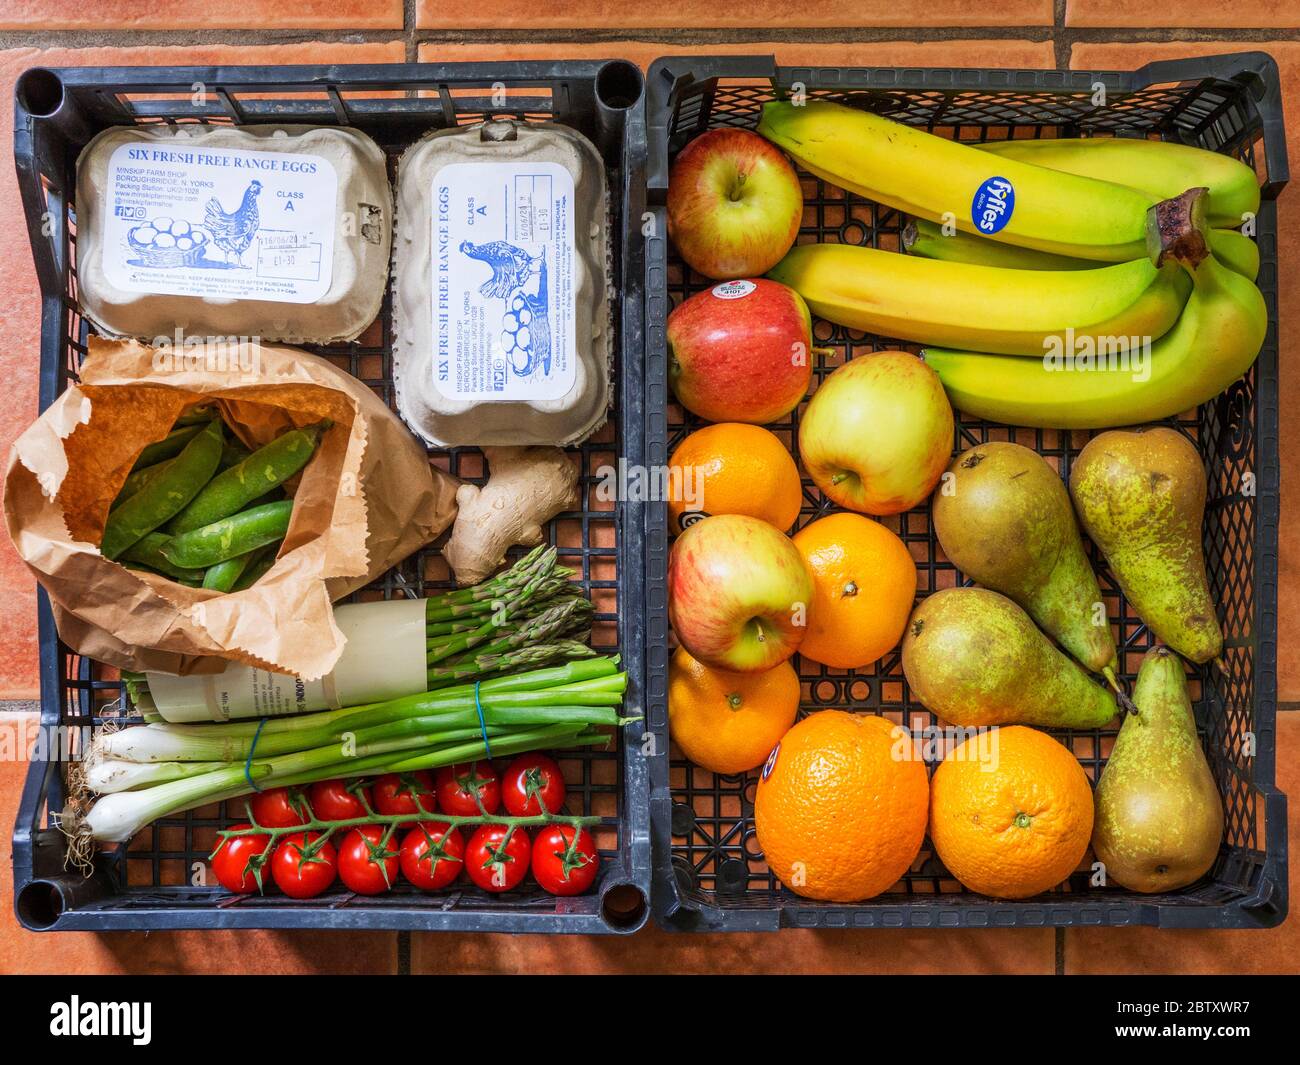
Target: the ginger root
(526, 488)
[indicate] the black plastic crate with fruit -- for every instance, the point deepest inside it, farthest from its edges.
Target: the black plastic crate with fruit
(160, 880)
(709, 866)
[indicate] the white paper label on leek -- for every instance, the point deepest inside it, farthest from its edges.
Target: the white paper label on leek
(221, 223)
(503, 281)
(384, 658)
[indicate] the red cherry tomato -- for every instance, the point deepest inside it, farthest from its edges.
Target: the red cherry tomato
(365, 866)
(398, 793)
(279, 808)
(564, 864)
(303, 867)
(495, 863)
(332, 801)
(231, 861)
(432, 855)
(528, 779)
(457, 785)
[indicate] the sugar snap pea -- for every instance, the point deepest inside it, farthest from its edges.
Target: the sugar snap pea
(258, 568)
(199, 415)
(148, 551)
(167, 495)
(245, 531)
(223, 575)
(232, 454)
(266, 468)
(137, 480)
(168, 447)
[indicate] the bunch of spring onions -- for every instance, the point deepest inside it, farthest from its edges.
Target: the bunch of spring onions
(527, 616)
(150, 771)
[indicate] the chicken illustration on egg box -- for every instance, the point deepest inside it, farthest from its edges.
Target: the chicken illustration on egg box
(276, 232)
(502, 304)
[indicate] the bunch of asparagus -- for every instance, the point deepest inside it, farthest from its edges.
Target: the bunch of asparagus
(525, 617)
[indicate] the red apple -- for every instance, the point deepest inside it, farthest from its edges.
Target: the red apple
(738, 593)
(734, 204)
(741, 351)
(877, 434)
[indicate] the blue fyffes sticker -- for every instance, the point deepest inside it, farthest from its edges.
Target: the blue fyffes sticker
(991, 208)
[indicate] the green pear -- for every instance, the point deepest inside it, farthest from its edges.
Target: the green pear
(1003, 517)
(1140, 496)
(1159, 818)
(975, 658)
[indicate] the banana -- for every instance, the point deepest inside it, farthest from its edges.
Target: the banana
(1158, 168)
(1236, 251)
(936, 178)
(1016, 312)
(1213, 343)
(926, 239)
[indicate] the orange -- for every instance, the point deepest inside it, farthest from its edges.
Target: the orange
(864, 584)
(1010, 812)
(731, 468)
(841, 806)
(729, 722)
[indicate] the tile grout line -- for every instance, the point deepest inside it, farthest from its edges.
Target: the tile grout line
(1062, 37)
(403, 953)
(1059, 952)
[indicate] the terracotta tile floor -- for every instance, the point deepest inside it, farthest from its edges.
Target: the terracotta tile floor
(1020, 33)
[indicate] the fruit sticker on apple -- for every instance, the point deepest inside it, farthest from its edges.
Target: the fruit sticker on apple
(741, 351)
(734, 204)
(738, 593)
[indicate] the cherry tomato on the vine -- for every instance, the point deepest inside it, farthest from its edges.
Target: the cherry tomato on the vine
(494, 862)
(231, 861)
(333, 801)
(367, 865)
(528, 779)
(303, 865)
(564, 862)
(432, 855)
(398, 793)
(279, 808)
(457, 785)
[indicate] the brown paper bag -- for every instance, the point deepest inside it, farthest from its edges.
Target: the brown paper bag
(366, 500)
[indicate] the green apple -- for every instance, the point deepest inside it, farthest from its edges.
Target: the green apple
(878, 433)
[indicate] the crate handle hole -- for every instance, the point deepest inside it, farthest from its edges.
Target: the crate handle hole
(39, 905)
(619, 84)
(40, 92)
(624, 907)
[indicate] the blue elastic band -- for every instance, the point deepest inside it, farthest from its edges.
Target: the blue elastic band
(248, 762)
(487, 747)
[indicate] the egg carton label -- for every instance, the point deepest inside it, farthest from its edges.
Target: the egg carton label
(504, 305)
(220, 223)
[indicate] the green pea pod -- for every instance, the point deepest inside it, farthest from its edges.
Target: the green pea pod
(166, 496)
(199, 415)
(259, 567)
(232, 490)
(223, 575)
(137, 481)
(232, 455)
(240, 533)
(168, 447)
(148, 551)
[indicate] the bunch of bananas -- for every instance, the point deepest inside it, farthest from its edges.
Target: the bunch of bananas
(1113, 261)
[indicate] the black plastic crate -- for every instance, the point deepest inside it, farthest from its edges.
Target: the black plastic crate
(709, 869)
(147, 884)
